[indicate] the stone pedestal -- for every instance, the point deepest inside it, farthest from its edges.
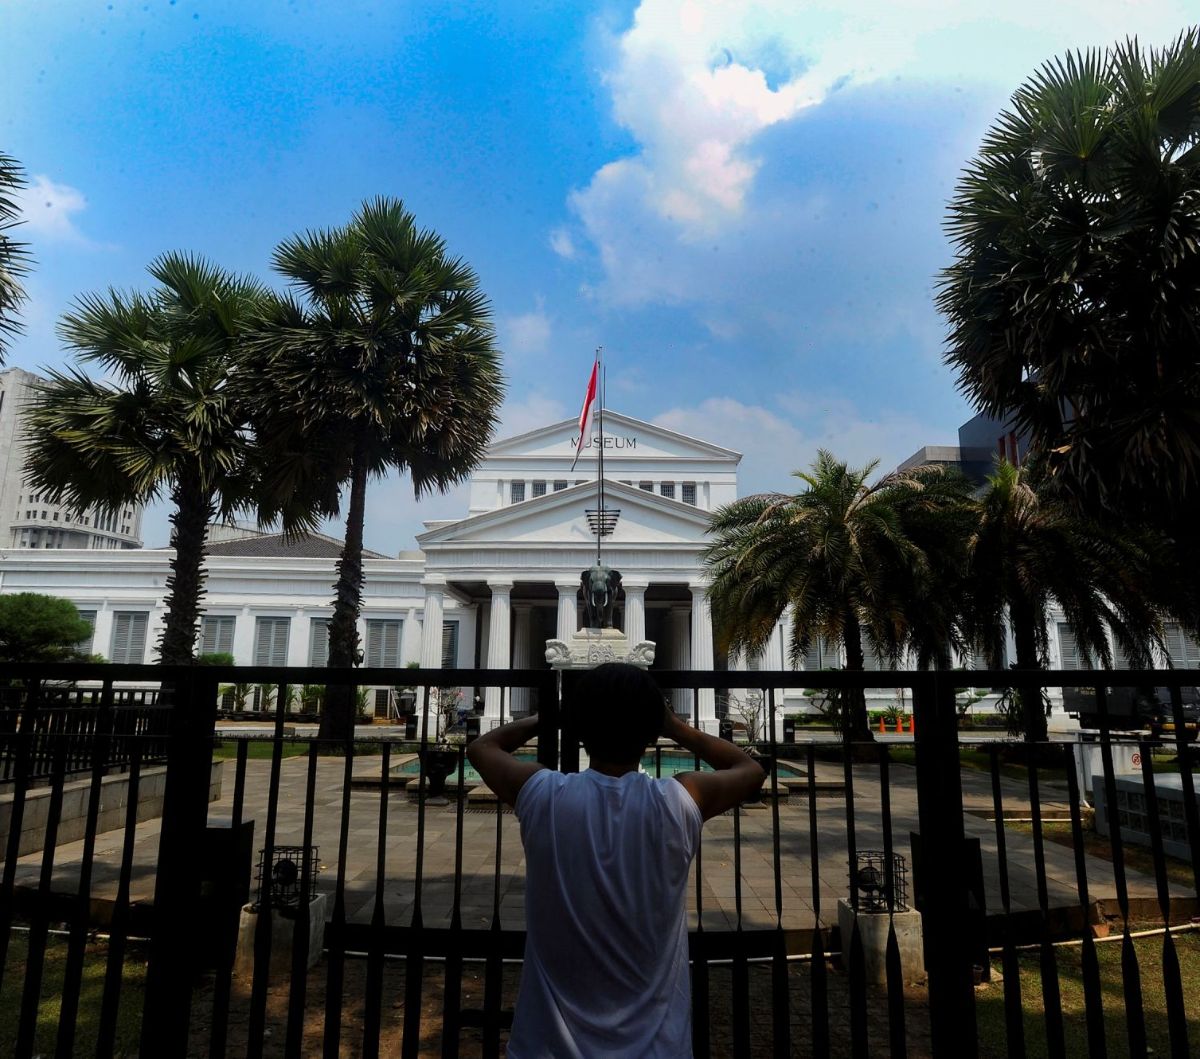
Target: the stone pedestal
(588, 648)
(282, 933)
(873, 931)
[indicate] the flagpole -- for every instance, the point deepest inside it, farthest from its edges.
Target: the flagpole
(600, 463)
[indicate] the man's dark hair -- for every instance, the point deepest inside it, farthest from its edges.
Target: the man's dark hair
(617, 710)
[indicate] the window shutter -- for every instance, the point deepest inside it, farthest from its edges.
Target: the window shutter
(120, 641)
(90, 617)
(279, 642)
(271, 641)
(1072, 656)
(318, 643)
(129, 637)
(449, 645)
(1181, 648)
(374, 643)
(391, 644)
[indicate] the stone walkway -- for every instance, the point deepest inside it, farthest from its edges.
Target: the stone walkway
(717, 900)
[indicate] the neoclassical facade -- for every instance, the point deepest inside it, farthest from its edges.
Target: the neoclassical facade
(483, 591)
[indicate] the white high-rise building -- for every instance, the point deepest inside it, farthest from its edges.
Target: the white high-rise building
(29, 520)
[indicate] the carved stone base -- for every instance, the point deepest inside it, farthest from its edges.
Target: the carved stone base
(588, 648)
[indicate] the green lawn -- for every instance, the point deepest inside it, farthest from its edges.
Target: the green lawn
(257, 750)
(129, 1013)
(980, 761)
(989, 1000)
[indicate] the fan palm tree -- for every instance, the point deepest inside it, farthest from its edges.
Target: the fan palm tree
(1029, 552)
(14, 256)
(843, 557)
(173, 420)
(1074, 295)
(384, 358)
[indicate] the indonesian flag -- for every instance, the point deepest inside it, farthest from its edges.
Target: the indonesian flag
(585, 413)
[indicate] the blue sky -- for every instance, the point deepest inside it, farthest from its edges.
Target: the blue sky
(742, 201)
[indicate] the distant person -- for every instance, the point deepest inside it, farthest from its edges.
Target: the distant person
(607, 854)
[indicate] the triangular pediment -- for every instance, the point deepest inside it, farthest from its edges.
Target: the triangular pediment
(625, 437)
(561, 519)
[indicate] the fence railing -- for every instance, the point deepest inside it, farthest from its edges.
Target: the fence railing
(801, 931)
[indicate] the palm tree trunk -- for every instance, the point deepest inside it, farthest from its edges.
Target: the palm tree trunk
(337, 719)
(856, 727)
(1029, 700)
(194, 509)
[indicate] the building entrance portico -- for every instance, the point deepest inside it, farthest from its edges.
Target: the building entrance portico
(518, 556)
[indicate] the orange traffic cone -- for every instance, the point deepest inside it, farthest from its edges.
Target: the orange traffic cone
(882, 728)
(900, 725)
(912, 725)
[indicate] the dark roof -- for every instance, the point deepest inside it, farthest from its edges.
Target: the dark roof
(276, 546)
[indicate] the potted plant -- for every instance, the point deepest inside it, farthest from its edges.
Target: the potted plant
(440, 758)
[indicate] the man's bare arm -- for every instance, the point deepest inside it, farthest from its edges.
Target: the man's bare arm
(491, 754)
(737, 774)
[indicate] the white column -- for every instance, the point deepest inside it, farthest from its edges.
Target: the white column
(243, 638)
(680, 655)
(702, 657)
(431, 625)
(635, 611)
(411, 647)
(499, 650)
(102, 633)
(522, 612)
(568, 608)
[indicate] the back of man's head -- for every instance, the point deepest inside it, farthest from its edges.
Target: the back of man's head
(617, 710)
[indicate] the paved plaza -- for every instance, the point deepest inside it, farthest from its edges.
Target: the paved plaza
(716, 904)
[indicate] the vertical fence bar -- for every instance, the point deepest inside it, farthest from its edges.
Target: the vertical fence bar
(22, 742)
(118, 931)
(953, 1030)
(741, 970)
(894, 971)
(781, 1032)
(1056, 1043)
(1131, 976)
(1191, 812)
(1092, 992)
(40, 921)
(819, 984)
(1172, 979)
(415, 956)
(76, 946)
(853, 957)
(1014, 1017)
(493, 980)
(297, 996)
(373, 1001)
(452, 985)
(193, 710)
(223, 981)
(335, 939)
(260, 980)
(701, 1036)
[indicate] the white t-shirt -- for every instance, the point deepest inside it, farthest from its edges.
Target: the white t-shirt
(606, 957)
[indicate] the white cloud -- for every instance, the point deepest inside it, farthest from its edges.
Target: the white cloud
(535, 410)
(782, 438)
(562, 243)
(525, 333)
(48, 209)
(698, 83)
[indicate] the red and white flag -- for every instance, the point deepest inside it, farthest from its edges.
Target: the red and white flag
(585, 413)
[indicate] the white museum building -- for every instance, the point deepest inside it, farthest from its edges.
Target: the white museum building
(484, 591)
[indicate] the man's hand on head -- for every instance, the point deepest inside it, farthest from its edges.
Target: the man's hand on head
(492, 756)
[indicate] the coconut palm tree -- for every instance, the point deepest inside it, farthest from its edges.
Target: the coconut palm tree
(172, 420)
(1029, 552)
(14, 256)
(843, 557)
(384, 358)
(1074, 295)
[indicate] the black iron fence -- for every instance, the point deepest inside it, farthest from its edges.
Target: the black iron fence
(922, 895)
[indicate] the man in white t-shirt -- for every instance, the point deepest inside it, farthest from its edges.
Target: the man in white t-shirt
(607, 854)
